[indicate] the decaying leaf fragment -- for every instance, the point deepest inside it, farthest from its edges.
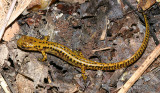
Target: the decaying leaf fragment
(145, 4)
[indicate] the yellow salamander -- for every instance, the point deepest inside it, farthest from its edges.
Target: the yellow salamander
(61, 51)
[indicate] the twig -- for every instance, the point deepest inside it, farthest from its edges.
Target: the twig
(155, 53)
(101, 49)
(103, 34)
(105, 30)
(7, 18)
(8, 82)
(4, 84)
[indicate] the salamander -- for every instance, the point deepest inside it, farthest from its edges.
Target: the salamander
(76, 59)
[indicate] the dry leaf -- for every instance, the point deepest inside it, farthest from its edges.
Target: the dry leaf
(40, 4)
(19, 8)
(11, 31)
(27, 87)
(145, 4)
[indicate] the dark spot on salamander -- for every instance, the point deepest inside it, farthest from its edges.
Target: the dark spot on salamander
(58, 51)
(76, 57)
(35, 46)
(62, 53)
(117, 66)
(121, 65)
(53, 49)
(78, 63)
(109, 68)
(70, 59)
(44, 47)
(74, 61)
(67, 57)
(31, 39)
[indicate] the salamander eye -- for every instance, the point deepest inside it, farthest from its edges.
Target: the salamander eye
(23, 46)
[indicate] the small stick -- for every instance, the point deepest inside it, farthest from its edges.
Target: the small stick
(101, 49)
(105, 30)
(8, 82)
(155, 53)
(4, 84)
(7, 18)
(103, 34)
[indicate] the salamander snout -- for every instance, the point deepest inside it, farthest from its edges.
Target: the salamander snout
(25, 43)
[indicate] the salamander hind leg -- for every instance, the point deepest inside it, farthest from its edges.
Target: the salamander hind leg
(83, 73)
(44, 56)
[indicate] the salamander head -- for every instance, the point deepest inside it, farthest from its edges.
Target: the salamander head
(26, 43)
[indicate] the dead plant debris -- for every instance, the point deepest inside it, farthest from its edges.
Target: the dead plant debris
(81, 27)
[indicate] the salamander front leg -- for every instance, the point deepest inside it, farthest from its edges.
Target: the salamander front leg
(46, 38)
(83, 73)
(44, 56)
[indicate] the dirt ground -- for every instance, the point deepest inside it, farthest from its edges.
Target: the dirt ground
(80, 27)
